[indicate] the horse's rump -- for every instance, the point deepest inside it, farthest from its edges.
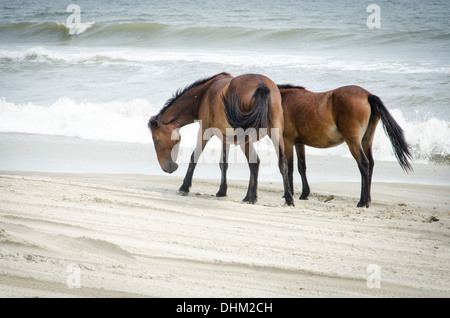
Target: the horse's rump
(258, 116)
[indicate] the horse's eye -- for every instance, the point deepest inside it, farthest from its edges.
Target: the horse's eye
(154, 123)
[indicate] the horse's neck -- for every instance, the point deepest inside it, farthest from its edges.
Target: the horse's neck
(185, 111)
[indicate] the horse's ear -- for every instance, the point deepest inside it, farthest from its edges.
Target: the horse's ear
(153, 122)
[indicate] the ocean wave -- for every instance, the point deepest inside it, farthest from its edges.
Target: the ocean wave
(45, 31)
(229, 58)
(58, 31)
(161, 34)
(146, 30)
(127, 122)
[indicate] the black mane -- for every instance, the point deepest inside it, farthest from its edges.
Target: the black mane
(180, 92)
(289, 86)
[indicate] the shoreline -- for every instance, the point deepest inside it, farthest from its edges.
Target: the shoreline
(43, 153)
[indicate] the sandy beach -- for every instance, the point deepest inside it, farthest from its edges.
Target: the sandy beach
(133, 235)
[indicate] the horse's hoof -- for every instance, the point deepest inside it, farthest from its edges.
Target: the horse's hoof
(221, 194)
(183, 193)
(249, 201)
(304, 195)
(290, 203)
(289, 200)
(363, 204)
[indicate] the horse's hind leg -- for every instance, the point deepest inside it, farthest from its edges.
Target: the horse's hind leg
(368, 153)
(223, 168)
(364, 168)
(367, 147)
(301, 163)
(253, 163)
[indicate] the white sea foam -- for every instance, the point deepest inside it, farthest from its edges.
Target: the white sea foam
(127, 122)
(112, 121)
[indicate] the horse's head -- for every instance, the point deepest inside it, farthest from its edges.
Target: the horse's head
(166, 140)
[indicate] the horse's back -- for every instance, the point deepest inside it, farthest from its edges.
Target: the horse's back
(211, 109)
(325, 119)
(308, 118)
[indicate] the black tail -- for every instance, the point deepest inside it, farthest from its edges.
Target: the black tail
(393, 131)
(257, 117)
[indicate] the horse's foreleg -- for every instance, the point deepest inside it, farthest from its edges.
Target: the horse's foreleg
(223, 168)
(253, 163)
(289, 152)
(283, 165)
(187, 182)
(301, 164)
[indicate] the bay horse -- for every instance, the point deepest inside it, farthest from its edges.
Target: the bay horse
(347, 114)
(222, 102)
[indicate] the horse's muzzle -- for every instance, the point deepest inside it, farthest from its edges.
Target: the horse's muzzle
(170, 167)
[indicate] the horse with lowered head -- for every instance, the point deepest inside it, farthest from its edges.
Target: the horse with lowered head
(223, 104)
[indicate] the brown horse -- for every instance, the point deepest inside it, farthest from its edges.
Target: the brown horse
(327, 119)
(222, 103)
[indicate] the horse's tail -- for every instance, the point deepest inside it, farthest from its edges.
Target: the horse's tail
(393, 131)
(257, 117)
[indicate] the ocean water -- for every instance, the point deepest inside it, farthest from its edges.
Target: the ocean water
(102, 78)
